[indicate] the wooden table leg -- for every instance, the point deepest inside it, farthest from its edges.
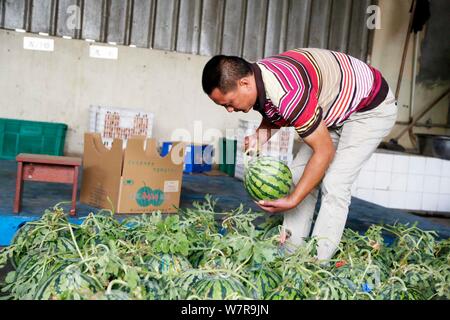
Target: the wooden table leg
(74, 190)
(19, 187)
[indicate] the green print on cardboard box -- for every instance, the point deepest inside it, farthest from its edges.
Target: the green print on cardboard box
(146, 196)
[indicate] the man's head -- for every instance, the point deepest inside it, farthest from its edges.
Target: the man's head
(229, 81)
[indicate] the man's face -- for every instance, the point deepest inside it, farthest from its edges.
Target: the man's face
(242, 98)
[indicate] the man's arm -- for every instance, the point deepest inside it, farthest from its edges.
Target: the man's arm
(323, 153)
(266, 124)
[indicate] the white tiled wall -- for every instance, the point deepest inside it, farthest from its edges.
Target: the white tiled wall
(384, 162)
(431, 184)
(399, 182)
(444, 185)
(430, 201)
(400, 164)
(445, 170)
(415, 183)
(366, 179)
(443, 203)
(382, 180)
(405, 182)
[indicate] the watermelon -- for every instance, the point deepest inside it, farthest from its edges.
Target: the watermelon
(117, 294)
(182, 284)
(24, 237)
(214, 260)
(286, 293)
(195, 258)
(290, 289)
(167, 263)
(219, 287)
(147, 288)
(153, 289)
(265, 280)
(396, 291)
(267, 178)
(70, 283)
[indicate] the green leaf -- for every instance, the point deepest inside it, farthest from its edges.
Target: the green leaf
(245, 252)
(132, 278)
(10, 277)
(264, 254)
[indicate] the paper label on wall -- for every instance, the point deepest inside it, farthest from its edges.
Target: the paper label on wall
(171, 186)
(40, 44)
(103, 52)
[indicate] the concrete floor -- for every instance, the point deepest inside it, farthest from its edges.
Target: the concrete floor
(228, 191)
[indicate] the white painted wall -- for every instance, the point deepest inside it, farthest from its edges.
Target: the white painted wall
(60, 86)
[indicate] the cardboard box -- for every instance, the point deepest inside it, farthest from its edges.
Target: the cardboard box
(135, 179)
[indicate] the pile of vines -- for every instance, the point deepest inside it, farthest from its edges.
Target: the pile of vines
(156, 256)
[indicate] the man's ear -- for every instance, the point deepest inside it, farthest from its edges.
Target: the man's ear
(244, 82)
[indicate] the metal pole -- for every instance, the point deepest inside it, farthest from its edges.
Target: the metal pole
(405, 49)
(413, 86)
(413, 77)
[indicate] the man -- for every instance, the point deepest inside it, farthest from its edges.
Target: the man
(341, 107)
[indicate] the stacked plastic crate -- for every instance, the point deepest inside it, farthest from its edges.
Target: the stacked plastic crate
(279, 146)
(120, 123)
(24, 136)
(198, 157)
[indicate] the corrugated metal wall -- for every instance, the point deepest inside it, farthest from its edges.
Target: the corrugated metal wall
(248, 28)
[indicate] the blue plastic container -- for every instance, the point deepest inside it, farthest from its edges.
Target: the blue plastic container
(198, 157)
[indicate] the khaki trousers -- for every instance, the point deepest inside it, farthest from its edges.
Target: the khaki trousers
(355, 142)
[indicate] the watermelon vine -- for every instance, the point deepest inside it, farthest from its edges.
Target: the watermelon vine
(201, 253)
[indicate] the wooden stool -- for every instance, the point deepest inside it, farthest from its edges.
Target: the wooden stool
(44, 168)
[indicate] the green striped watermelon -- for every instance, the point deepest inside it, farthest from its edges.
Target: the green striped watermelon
(219, 287)
(195, 258)
(70, 283)
(286, 293)
(116, 294)
(153, 289)
(168, 263)
(267, 178)
(214, 260)
(24, 237)
(182, 284)
(265, 281)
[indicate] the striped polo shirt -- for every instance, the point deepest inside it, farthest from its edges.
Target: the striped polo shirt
(301, 87)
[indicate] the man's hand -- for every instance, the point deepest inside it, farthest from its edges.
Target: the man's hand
(323, 153)
(262, 135)
(280, 205)
(251, 142)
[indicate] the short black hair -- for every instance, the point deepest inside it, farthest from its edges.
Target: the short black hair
(222, 72)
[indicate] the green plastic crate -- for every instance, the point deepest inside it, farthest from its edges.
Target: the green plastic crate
(22, 136)
(227, 156)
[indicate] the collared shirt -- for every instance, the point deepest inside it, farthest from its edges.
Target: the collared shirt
(301, 87)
